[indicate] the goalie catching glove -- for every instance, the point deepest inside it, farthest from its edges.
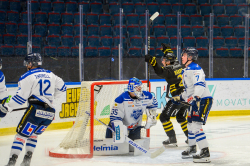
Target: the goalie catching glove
(151, 118)
(150, 59)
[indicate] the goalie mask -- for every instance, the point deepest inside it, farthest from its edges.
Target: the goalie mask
(135, 87)
(34, 58)
(191, 52)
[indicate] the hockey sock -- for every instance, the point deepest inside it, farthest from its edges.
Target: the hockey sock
(184, 127)
(191, 136)
(17, 145)
(199, 135)
(169, 128)
(31, 143)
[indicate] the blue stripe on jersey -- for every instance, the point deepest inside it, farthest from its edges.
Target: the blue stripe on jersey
(32, 145)
(191, 137)
(121, 98)
(33, 140)
(1, 76)
(197, 135)
(112, 118)
(38, 98)
(193, 66)
(200, 139)
(16, 147)
(147, 94)
(17, 101)
(149, 107)
(190, 133)
(63, 89)
(18, 143)
(201, 84)
(32, 71)
(19, 98)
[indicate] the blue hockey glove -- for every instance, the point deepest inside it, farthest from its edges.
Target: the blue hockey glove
(194, 101)
(3, 109)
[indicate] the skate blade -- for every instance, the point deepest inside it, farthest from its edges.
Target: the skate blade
(202, 160)
(187, 156)
(170, 145)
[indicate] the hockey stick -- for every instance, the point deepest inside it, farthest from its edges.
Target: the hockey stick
(151, 19)
(19, 109)
(135, 145)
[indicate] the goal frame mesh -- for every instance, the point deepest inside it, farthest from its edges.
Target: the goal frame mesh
(92, 107)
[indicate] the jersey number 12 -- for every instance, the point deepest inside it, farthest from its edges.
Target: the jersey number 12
(42, 84)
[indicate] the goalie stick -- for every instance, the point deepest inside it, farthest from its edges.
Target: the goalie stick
(151, 19)
(134, 144)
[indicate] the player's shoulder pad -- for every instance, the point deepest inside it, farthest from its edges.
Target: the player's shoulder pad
(193, 66)
(147, 95)
(33, 71)
(124, 96)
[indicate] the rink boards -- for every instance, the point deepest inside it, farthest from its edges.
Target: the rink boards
(230, 97)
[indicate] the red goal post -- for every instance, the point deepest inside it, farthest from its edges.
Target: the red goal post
(79, 141)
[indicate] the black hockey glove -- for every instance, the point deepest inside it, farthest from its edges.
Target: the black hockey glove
(166, 48)
(150, 59)
(3, 109)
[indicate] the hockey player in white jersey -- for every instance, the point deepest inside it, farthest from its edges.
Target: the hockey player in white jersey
(129, 108)
(3, 89)
(197, 94)
(39, 87)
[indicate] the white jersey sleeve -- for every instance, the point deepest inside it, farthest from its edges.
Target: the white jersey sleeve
(60, 87)
(3, 89)
(39, 83)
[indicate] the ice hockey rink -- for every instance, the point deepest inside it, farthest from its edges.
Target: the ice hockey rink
(228, 138)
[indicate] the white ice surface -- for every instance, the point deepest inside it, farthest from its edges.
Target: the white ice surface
(228, 138)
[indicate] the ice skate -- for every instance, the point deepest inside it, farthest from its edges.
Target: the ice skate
(12, 160)
(203, 157)
(186, 141)
(27, 159)
(189, 152)
(171, 141)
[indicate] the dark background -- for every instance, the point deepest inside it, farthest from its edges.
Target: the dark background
(101, 68)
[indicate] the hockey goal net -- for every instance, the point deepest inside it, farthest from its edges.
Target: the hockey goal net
(79, 141)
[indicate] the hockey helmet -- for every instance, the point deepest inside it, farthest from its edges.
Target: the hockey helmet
(132, 87)
(34, 58)
(169, 56)
(191, 52)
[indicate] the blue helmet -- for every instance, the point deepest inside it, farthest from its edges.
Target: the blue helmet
(191, 52)
(132, 84)
(34, 58)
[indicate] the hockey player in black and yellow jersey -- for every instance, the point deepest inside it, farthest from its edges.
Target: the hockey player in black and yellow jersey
(171, 72)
